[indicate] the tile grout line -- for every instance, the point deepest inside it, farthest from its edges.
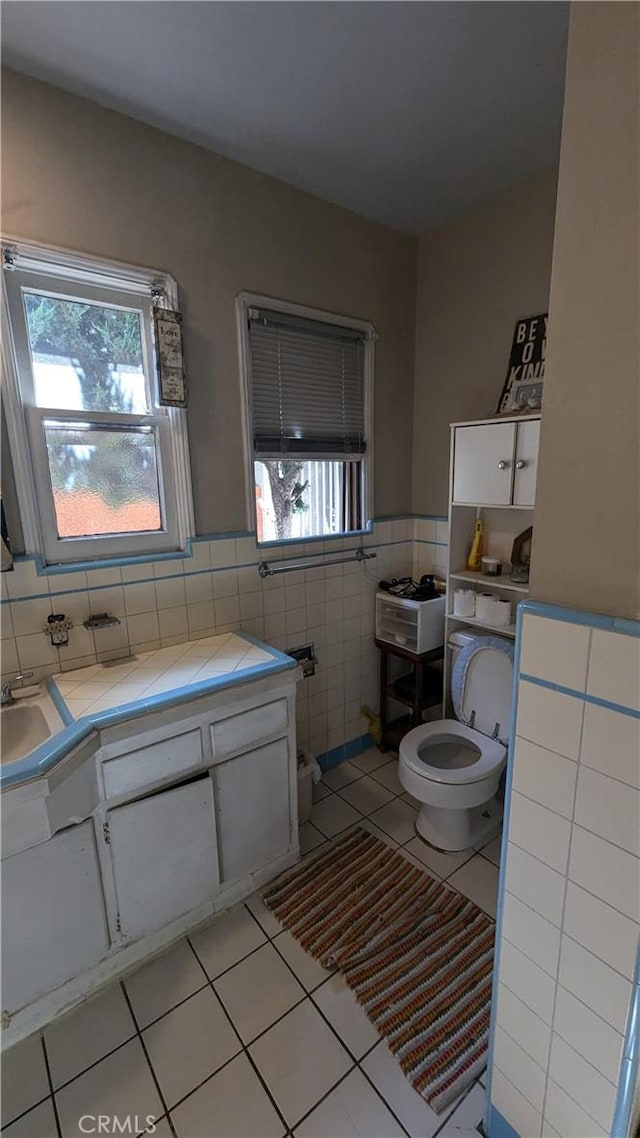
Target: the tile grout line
(149, 1063)
(50, 1081)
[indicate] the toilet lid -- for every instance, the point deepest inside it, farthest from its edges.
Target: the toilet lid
(449, 752)
(481, 685)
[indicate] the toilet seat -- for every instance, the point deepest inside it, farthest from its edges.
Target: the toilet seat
(491, 754)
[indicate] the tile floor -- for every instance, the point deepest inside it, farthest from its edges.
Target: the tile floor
(236, 1032)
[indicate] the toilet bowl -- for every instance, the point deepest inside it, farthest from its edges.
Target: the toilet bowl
(453, 766)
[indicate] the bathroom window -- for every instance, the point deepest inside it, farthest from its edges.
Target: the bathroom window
(308, 386)
(101, 467)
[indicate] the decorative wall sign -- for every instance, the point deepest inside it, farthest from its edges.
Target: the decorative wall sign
(172, 382)
(522, 389)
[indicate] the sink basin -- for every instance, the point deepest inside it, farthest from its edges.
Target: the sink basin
(27, 723)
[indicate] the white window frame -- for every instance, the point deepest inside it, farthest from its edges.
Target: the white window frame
(110, 282)
(247, 300)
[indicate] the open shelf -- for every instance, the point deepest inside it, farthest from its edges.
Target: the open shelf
(491, 582)
(510, 629)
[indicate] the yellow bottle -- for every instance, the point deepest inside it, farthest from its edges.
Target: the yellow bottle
(474, 560)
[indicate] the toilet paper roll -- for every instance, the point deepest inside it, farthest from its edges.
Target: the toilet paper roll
(501, 613)
(464, 602)
(484, 607)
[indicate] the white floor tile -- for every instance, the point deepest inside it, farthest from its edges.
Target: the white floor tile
(86, 1034)
(164, 982)
(463, 1123)
(388, 776)
(310, 838)
(417, 1117)
(371, 828)
(346, 1016)
(40, 1122)
(352, 1110)
(333, 815)
(24, 1078)
(309, 971)
(288, 1058)
(231, 937)
(366, 795)
(232, 1104)
(189, 1044)
(436, 861)
(370, 760)
(341, 775)
(398, 819)
(492, 850)
(257, 991)
(478, 880)
(265, 918)
(121, 1084)
(320, 790)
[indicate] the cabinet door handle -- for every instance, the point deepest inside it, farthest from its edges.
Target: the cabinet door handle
(520, 464)
(502, 465)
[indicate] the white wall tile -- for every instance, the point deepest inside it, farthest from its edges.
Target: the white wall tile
(604, 931)
(170, 592)
(566, 1117)
(549, 718)
(6, 623)
(9, 657)
(29, 616)
(540, 887)
(545, 777)
(225, 583)
(140, 597)
(611, 743)
(531, 1033)
(555, 651)
(588, 1034)
(36, 651)
(527, 981)
(143, 628)
(198, 588)
(513, 1107)
(595, 983)
(519, 1068)
(609, 808)
(539, 831)
(531, 933)
(609, 872)
(614, 668)
(582, 1082)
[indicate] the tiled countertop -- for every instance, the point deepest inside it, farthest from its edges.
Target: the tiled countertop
(104, 694)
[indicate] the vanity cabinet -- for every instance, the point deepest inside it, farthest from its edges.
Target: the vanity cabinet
(495, 464)
(54, 921)
(254, 809)
(164, 856)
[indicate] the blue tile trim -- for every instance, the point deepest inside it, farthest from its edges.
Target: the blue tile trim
(58, 701)
(627, 627)
(621, 708)
(47, 754)
(495, 1125)
(336, 755)
(630, 1064)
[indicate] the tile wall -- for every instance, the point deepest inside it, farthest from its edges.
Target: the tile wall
(218, 589)
(569, 910)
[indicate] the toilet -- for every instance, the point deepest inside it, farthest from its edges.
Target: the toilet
(453, 766)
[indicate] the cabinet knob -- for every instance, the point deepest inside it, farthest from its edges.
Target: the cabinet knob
(520, 464)
(502, 465)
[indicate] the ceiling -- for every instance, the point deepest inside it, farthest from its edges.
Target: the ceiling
(407, 113)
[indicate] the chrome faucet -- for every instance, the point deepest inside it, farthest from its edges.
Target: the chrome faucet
(6, 692)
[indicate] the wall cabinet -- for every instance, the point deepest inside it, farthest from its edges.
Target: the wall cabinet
(495, 464)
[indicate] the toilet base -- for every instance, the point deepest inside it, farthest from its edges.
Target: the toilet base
(456, 830)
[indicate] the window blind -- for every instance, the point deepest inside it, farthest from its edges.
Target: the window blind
(307, 387)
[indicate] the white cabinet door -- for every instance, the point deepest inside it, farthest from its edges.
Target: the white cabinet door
(165, 857)
(53, 915)
(254, 809)
(526, 464)
(483, 464)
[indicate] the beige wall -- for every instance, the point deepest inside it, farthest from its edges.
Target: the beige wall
(586, 535)
(80, 176)
(476, 276)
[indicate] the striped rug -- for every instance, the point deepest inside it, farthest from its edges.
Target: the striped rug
(417, 955)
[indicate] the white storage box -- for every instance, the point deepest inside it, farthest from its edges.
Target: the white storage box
(415, 625)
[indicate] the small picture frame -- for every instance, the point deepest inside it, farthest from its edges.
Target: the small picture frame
(522, 390)
(171, 376)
